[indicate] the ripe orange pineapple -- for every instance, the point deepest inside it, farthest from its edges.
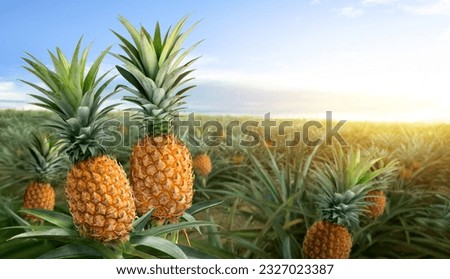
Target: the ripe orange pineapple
(330, 237)
(161, 175)
(160, 164)
(39, 195)
(98, 194)
(44, 163)
(377, 198)
(202, 164)
(325, 240)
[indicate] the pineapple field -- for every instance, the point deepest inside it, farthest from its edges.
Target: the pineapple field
(79, 180)
(384, 194)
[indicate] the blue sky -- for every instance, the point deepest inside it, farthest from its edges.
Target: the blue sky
(361, 59)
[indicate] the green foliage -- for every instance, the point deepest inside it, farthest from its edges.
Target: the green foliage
(68, 84)
(154, 67)
(64, 241)
(416, 224)
(75, 95)
(267, 196)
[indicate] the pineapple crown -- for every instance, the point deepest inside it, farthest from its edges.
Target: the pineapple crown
(342, 208)
(154, 66)
(347, 170)
(75, 96)
(45, 161)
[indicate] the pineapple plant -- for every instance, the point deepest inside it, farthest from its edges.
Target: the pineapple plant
(161, 167)
(348, 188)
(388, 165)
(44, 164)
(98, 194)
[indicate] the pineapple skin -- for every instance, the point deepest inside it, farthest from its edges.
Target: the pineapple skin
(325, 240)
(378, 198)
(38, 196)
(100, 199)
(202, 165)
(162, 177)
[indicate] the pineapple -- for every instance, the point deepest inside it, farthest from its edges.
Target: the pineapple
(327, 240)
(377, 198)
(161, 165)
(330, 237)
(98, 194)
(38, 196)
(44, 164)
(202, 164)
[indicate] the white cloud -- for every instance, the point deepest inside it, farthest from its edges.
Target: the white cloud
(206, 60)
(444, 36)
(315, 2)
(10, 92)
(13, 96)
(351, 12)
(5, 86)
(440, 7)
(412, 78)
